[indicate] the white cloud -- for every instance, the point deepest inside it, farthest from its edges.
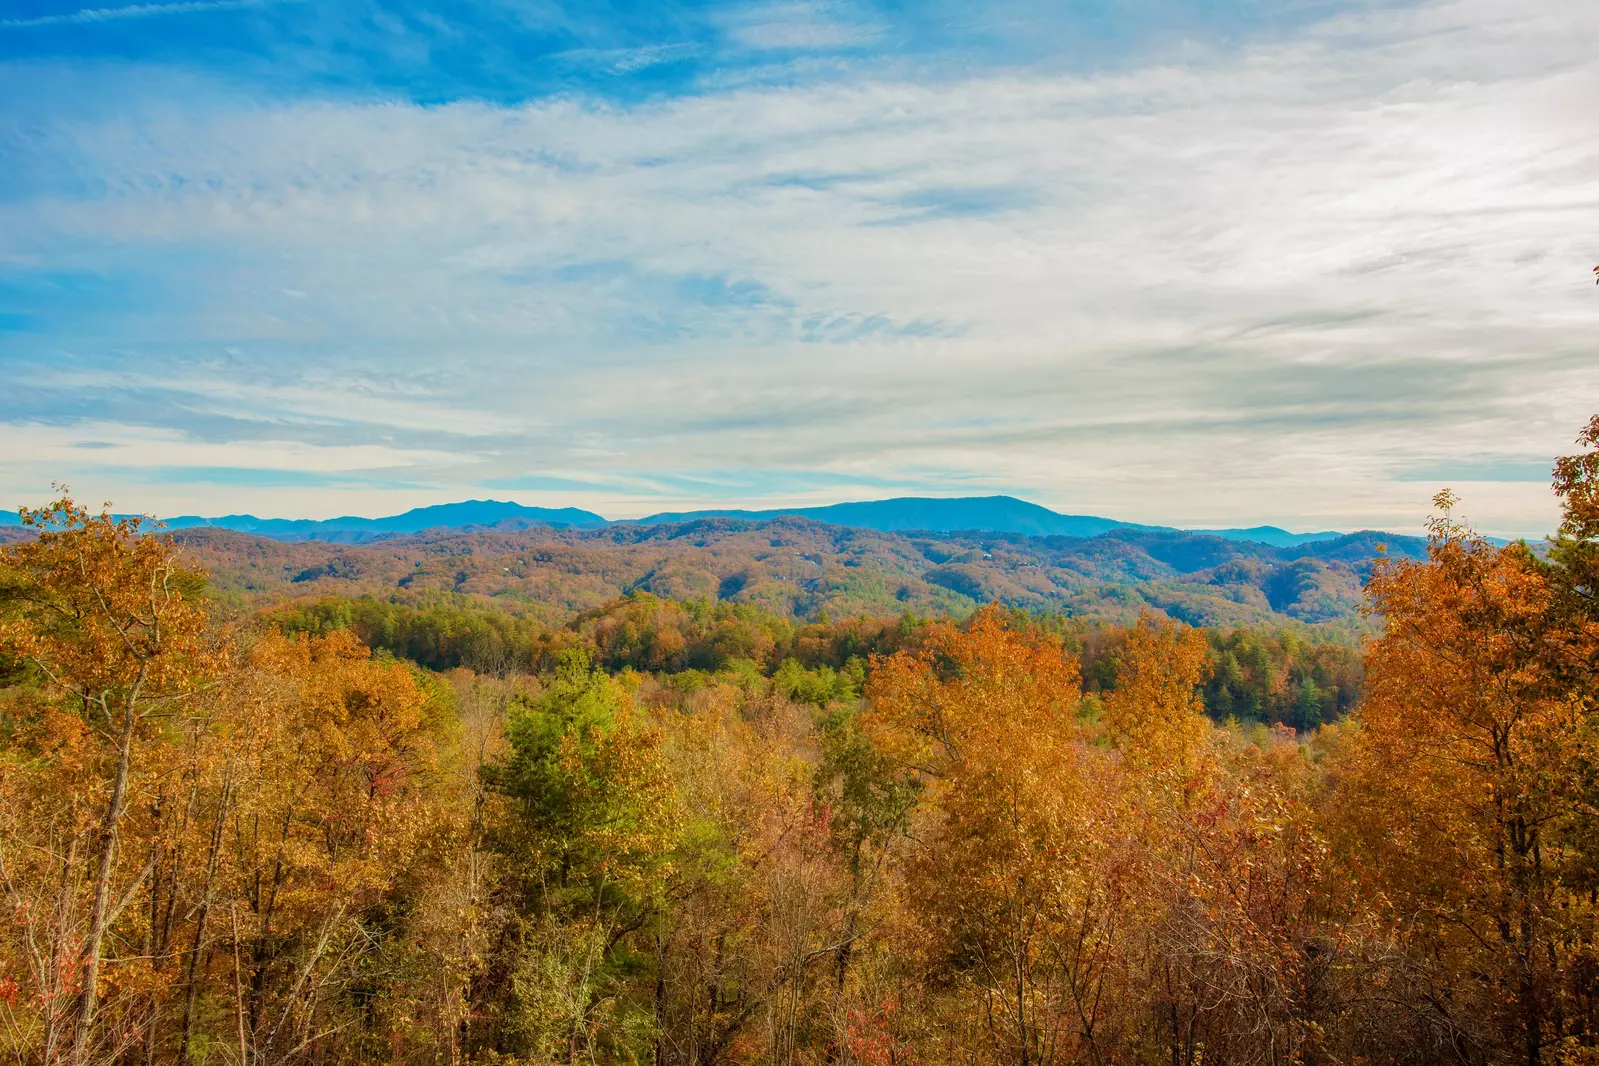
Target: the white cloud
(1261, 285)
(801, 27)
(629, 60)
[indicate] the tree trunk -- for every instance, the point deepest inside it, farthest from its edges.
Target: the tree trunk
(660, 1001)
(1531, 1001)
(88, 998)
(200, 922)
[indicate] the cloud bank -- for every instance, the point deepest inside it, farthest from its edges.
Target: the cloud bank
(1305, 277)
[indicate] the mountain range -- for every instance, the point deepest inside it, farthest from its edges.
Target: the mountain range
(795, 567)
(988, 514)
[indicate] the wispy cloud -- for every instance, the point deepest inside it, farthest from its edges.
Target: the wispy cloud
(1288, 281)
(132, 11)
(630, 60)
(802, 26)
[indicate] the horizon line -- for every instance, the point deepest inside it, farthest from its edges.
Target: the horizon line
(658, 517)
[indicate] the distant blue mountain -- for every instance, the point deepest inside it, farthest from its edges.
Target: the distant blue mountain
(996, 514)
(1277, 538)
(446, 516)
(992, 514)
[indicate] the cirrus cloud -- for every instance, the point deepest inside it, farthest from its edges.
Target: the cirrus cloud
(1229, 284)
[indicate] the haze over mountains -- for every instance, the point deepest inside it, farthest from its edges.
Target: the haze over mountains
(993, 514)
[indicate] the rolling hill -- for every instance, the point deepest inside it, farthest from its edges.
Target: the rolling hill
(800, 568)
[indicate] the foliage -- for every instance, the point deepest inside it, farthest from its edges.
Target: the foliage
(439, 823)
(439, 636)
(803, 571)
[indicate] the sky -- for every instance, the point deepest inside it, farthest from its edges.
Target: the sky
(1211, 263)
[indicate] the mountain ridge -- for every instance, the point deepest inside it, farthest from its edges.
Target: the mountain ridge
(933, 514)
(799, 568)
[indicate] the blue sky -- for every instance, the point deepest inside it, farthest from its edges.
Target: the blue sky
(1195, 263)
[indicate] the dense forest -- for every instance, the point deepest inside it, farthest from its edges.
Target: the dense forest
(801, 569)
(482, 799)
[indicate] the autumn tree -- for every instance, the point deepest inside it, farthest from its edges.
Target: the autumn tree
(111, 619)
(1469, 787)
(1235, 950)
(334, 830)
(692, 834)
(1014, 887)
(591, 823)
(1574, 558)
(758, 909)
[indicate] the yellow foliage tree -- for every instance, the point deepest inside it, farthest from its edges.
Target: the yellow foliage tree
(1467, 793)
(111, 619)
(1014, 883)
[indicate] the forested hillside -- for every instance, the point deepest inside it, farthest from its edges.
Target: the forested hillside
(776, 793)
(802, 569)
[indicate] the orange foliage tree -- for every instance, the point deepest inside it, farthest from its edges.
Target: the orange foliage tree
(1012, 885)
(110, 618)
(257, 847)
(1468, 792)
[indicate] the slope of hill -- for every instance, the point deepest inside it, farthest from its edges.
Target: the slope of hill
(802, 569)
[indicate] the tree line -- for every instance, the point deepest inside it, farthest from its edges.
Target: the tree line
(349, 831)
(1259, 676)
